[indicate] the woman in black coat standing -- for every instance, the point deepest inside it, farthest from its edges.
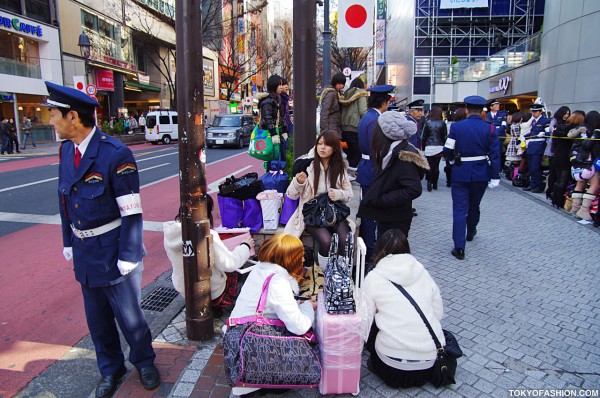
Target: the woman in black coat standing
(400, 169)
(434, 138)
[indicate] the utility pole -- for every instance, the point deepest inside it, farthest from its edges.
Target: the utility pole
(195, 225)
(326, 46)
(305, 75)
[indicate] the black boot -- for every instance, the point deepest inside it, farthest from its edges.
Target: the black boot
(558, 196)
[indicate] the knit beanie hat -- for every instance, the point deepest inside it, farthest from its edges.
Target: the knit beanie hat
(395, 126)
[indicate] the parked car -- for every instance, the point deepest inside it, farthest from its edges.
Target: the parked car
(161, 126)
(234, 130)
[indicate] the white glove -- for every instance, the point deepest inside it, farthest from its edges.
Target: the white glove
(276, 140)
(68, 253)
(541, 134)
(284, 136)
(126, 267)
(493, 184)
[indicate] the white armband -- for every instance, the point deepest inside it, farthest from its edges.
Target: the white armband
(503, 123)
(130, 204)
(450, 143)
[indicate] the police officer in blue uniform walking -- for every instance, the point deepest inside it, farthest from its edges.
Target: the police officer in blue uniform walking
(414, 114)
(498, 119)
(101, 213)
(378, 102)
(536, 144)
(472, 147)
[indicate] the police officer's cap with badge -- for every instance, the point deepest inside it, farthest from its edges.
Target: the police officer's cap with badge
(382, 89)
(494, 102)
(537, 107)
(475, 102)
(417, 104)
(69, 98)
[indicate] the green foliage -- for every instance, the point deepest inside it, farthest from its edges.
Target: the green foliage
(117, 129)
(289, 157)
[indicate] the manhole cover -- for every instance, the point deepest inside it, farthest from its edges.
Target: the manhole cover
(159, 299)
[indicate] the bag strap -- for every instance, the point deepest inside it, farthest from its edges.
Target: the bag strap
(438, 345)
(260, 308)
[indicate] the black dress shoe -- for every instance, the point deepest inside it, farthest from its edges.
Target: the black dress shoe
(458, 253)
(471, 236)
(108, 384)
(149, 377)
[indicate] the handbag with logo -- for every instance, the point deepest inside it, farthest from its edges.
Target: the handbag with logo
(445, 364)
(261, 352)
(323, 212)
(339, 287)
(261, 144)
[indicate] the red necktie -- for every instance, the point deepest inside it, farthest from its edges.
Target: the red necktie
(77, 157)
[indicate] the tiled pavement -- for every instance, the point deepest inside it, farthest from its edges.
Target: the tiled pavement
(524, 305)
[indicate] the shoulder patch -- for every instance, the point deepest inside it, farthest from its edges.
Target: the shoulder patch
(126, 169)
(93, 178)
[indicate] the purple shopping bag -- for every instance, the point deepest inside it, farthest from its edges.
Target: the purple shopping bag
(287, 209)
(231, 211)
(252, 215)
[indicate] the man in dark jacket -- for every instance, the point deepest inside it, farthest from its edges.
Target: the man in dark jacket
(4, 136)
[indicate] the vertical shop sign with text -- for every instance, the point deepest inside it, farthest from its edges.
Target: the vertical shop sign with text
(380, 32)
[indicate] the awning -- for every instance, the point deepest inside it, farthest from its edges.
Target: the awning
(143, 87)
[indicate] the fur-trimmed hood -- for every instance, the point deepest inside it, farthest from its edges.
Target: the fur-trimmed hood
(329, 89)
(355, 93)
(415, 157)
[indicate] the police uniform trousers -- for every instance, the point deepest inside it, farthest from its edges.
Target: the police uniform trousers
(535, 168)
(368, 230)
(121, 302)
(466, 197)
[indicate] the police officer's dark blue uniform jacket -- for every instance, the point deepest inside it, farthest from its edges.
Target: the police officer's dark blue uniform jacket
(96, 194)
(416, 140)
(477, 145)
(499, 121)
(536, 143)
(366, 167)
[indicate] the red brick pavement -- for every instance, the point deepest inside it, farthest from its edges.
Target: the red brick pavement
(171, 361)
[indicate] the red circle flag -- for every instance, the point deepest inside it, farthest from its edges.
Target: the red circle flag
(79, 86)
(356, 16)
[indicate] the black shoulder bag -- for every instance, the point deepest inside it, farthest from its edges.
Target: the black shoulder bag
(444, 367)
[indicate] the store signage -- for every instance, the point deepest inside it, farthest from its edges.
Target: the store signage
(143, 79)
(21, 26)
(105, 80)
(502, 85)
(445, 4)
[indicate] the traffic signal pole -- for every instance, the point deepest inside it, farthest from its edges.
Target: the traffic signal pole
(195, 225)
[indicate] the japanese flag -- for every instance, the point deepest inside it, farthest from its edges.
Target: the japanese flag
(355, 23)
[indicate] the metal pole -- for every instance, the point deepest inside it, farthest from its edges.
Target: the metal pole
(326, 46)
(305, 76)
(192, 170)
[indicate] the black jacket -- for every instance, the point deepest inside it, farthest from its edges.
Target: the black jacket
(434, 133)
(269, 113)
(389, 199)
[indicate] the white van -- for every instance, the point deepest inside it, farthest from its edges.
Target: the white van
(161, 126)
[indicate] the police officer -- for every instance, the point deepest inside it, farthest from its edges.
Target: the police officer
(472, 147)
(378, 102)
(536, 144)
(101, 213)
(498, 119)
(415, 113)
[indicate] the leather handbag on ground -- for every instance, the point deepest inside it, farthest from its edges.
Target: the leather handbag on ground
(339, 287)
(445, 364)
(323, 212)
(261, 144)
(261, 352)
(242, 188)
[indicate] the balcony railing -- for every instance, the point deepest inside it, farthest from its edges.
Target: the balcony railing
(18, 68)
(522, 53)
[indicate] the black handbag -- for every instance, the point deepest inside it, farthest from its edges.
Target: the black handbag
(242, 188)
(444, 368)
(322, 212)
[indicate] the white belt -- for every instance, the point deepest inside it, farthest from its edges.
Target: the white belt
(473, 158)
(88, 233)
(366, 157)
(536, 139)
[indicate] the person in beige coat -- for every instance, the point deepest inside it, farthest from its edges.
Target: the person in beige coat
(327, 173)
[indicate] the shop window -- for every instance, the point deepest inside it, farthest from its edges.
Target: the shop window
(11, 6)
(88, 20)
(19, 56)
(422, 85)
(38, 10)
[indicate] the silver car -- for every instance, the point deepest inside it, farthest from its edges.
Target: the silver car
(230, 130)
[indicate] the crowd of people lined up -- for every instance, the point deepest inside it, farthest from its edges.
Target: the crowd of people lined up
(10, 138)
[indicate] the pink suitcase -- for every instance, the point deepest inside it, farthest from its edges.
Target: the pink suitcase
(340, 339)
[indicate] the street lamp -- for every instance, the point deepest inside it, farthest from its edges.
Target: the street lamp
(85, 48)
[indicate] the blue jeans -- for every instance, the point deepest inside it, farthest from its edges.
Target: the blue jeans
(5, 145)
(25, 137)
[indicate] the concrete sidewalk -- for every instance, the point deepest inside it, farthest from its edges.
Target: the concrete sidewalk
(523, 305)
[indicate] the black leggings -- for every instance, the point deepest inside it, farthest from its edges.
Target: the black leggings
(323, 237)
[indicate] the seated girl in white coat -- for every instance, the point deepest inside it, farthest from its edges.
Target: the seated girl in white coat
(326, 174)
(402, 350)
